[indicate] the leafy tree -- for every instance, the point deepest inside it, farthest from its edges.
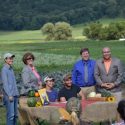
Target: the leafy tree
(48, 29)
(62, 31)
(113, 31)
(93, 30)
(59, 31)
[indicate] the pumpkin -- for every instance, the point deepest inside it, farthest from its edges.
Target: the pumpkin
(31, 93)
(31, 102)
(37, 94)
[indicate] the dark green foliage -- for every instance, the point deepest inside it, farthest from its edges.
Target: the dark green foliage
(32, 14)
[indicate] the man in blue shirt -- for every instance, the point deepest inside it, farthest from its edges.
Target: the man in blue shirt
(83, 72)
(10, 91)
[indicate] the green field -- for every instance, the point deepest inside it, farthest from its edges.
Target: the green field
(53, 55)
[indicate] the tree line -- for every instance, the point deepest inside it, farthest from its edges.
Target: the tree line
(32, 14)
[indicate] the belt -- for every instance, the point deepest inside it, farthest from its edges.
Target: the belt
(87, 86)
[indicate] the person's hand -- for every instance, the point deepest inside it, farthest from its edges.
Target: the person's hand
(110, 85)
(62, 99)
(11, 98)
(104, 85)
(40, 85)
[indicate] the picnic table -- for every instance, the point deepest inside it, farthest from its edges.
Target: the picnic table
(92, 111)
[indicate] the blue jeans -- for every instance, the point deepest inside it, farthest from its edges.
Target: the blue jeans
(11, 110)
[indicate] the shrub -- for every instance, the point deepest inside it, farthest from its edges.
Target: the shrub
(59, 31)
(113, 31)
(48, 29)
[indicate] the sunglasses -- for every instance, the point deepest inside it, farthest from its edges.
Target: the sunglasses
(29, 58)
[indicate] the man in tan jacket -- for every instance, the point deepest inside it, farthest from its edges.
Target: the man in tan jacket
(108, 73)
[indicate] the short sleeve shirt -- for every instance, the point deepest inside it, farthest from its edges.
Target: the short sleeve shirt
(68, 93)
(53, 95)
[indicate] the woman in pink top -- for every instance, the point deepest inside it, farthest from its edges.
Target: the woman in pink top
(30, 76)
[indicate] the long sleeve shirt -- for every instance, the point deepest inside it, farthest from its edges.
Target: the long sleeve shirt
(9, 81)
(78, 74)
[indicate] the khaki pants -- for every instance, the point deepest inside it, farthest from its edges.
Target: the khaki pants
(117, 95)
(87, 90)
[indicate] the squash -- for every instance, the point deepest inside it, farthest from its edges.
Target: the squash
(37, 94)
(31, 93)
(31, 102)
(38, 104)
(92, 94)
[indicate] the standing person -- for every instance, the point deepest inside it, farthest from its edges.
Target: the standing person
(83, 72)
(30, 76)
(51, 92)
(108, 73)
(69, 90)
(10, 91)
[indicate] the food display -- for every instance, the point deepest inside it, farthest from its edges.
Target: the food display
(103, 96)
(33, 99)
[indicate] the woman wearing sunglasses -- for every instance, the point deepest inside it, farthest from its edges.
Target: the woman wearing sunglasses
(30, 76)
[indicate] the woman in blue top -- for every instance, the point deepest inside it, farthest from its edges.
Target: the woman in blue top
(52, 93)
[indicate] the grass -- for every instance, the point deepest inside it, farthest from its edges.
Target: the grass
(53, 55)
(2, 116)
(60, 53)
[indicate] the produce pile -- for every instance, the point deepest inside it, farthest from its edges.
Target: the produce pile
(34, 99)
(104, 94)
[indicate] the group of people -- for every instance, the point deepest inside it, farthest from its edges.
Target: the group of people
(87, 76)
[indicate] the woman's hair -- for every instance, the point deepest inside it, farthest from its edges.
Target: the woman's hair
(26, 56)
(121, 109)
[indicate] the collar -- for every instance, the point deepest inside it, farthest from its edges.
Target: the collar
(109, 60)
(85, 61)
(8, 66)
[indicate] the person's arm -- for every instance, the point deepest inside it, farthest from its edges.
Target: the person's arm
(81, 95)
(62, 99)
(97, 75)
(120, 73)
(6, 84)
(27, 79)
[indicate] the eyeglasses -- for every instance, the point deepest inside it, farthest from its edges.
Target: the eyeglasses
(29, 58)
(106, 52)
